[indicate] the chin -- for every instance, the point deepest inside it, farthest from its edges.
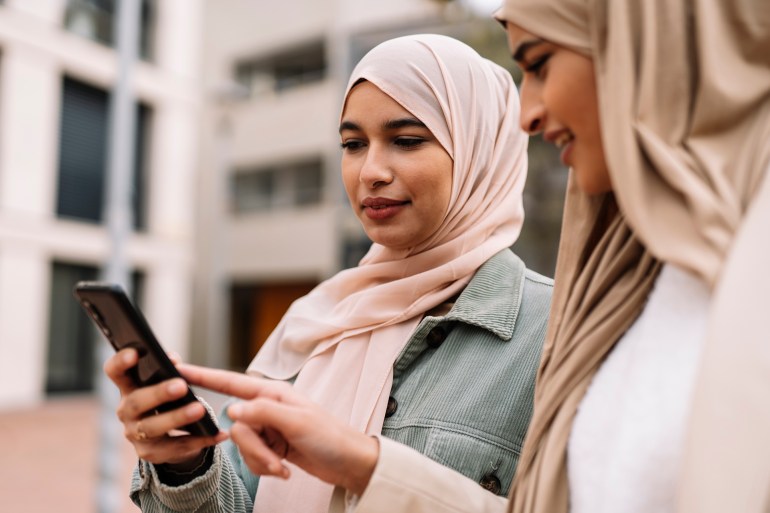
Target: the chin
(592, 185)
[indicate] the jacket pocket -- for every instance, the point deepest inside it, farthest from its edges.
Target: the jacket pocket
(490, 464)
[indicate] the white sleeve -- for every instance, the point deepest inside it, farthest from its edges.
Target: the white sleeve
(406, 481)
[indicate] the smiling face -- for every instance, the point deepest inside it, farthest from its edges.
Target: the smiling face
(397, 175)
(558, 98)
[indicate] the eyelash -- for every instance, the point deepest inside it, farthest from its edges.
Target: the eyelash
(409, 142)
(402, 142)
(351, 145)
(537, 66)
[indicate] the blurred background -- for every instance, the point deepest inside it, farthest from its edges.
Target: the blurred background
(236, 203)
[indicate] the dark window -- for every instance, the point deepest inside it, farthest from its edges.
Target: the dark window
(285, 69)
(83, 154)
(290, 184)
(82, 151)
(95, 19)
(253, 191)
(71, 335)
(307, 183)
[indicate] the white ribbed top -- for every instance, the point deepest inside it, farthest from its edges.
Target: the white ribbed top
(627, 438)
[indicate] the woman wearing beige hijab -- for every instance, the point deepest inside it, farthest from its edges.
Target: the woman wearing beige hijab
(652, 391)
(433, 339)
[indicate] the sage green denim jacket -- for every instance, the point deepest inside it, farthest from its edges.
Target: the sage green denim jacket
(462, 394)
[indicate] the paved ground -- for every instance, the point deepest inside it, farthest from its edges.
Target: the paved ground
(49, 459)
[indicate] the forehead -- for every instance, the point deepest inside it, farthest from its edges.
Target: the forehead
(366, 99)
(517, 35)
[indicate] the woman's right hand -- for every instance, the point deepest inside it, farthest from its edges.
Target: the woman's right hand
(148, 432)
(274, 422)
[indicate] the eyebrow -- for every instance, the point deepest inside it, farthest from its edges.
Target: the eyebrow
(392, 124)
(524, 47)
(349, 125)
(403, 122)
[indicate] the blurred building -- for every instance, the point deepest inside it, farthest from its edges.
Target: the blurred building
(57, 67)
(272, 211)
(238, 204)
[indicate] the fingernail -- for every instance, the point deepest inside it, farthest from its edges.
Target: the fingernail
(128, 356)
(175, 387)
(193, 410)
(234, 410)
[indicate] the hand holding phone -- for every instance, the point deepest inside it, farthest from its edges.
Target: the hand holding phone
(124, 326)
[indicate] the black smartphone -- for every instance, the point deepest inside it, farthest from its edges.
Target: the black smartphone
(123, 325)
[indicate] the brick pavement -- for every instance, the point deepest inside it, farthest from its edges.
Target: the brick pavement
(49, 459)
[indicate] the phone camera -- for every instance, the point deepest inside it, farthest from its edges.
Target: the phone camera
(98, 318)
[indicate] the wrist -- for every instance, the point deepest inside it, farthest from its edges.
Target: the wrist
(176, 474)
(366, 452)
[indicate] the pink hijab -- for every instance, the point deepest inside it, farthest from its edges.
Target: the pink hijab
(342, 339)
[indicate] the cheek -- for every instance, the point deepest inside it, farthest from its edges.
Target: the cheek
(559, 100)
(439, 185)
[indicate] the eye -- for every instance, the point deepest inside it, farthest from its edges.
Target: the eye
(352, 145)
(408, 142)
(536, 66)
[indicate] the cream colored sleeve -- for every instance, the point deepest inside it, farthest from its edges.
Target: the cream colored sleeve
(406, 481)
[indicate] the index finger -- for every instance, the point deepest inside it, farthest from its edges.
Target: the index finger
(233, 383)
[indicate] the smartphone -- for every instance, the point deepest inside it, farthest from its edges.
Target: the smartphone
(123, 325)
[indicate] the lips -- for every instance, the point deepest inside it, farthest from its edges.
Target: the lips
(381, 202)
(563, 140)
(382, 208)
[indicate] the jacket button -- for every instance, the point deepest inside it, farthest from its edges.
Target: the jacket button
(436, 337)
(392, 407)
(491, 483)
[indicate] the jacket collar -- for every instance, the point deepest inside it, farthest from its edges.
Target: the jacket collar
(492, 298)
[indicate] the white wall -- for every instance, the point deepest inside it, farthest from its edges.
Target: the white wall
(24, 298)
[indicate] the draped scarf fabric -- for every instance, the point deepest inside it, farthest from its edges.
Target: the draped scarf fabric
(684, 102)
(342, 339)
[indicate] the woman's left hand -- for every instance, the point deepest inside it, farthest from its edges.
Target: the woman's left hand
(275, 422)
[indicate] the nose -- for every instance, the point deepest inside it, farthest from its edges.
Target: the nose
(532, 117)
(376, 170)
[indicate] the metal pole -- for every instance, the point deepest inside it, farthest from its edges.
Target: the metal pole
(217, 287)
(119, 219)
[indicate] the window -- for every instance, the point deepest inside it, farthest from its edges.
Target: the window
(94, 19)
(284, 70)
(71, 335)
(253, 191)
(293, 184)
(83, 154)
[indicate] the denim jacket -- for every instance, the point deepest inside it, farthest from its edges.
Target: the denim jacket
(462, 394)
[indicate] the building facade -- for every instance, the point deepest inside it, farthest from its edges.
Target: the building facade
(57, 68)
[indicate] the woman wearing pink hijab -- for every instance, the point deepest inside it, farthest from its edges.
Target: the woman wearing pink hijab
(652, 394)
(432, 340)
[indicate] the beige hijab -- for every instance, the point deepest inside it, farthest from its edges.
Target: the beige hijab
(341, 340)
(684, 91)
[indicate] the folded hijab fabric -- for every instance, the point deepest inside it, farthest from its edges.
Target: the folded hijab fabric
(684, 101)
(341, 340)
